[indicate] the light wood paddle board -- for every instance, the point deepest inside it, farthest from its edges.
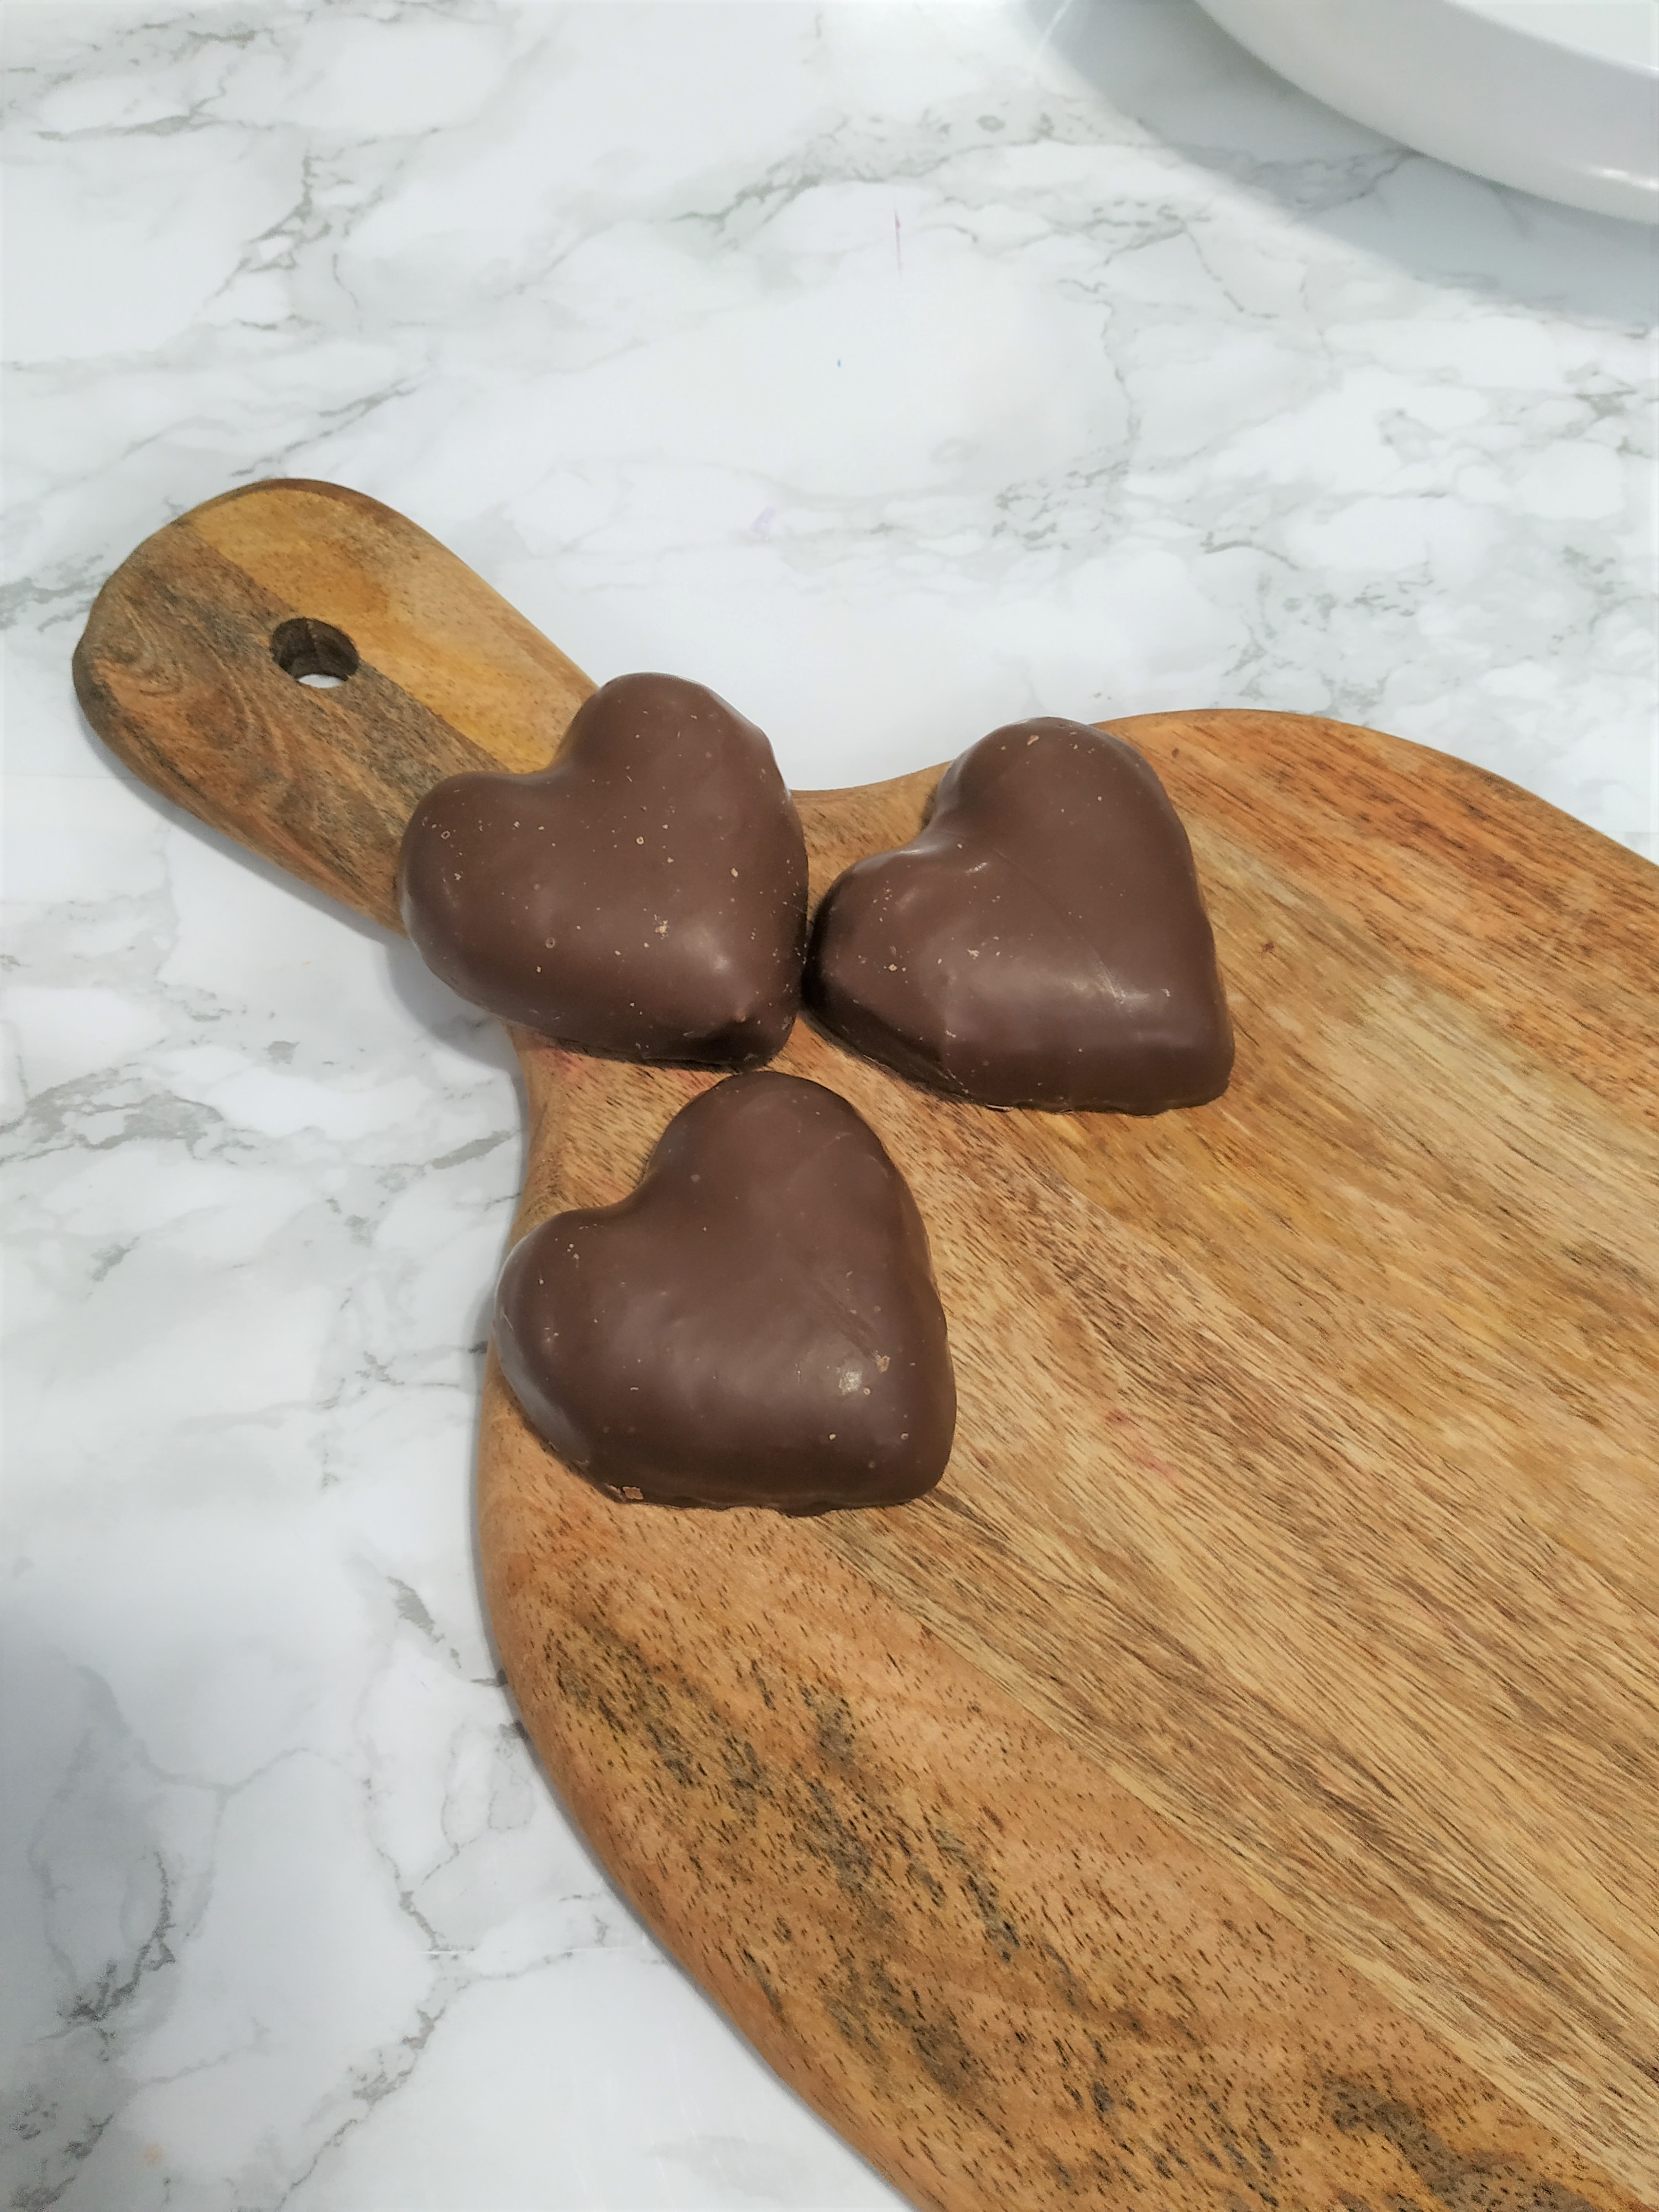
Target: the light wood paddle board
(1237, 1785)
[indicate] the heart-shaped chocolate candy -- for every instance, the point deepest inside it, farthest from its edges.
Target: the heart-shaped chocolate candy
(1042, 942)
(644, 897)
(755, 1324)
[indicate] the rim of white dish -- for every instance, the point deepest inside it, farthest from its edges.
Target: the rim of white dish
(1622, 33)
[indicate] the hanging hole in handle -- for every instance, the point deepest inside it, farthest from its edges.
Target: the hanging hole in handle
(314, 653)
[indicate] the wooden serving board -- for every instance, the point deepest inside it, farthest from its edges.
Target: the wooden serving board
(1238, 1785)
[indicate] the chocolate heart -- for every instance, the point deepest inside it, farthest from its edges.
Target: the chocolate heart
(1042, 942)
(644, 897)
(755, 1324)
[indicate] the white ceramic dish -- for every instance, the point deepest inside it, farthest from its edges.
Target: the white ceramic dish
(1560, 97)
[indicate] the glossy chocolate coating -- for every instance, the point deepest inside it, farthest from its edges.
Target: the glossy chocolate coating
(644, 897)
(755, 1324)
(1042, 942)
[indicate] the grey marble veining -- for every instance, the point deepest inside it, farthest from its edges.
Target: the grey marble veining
(896, 369)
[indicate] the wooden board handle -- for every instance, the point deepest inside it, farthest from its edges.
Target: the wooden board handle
(192, 668)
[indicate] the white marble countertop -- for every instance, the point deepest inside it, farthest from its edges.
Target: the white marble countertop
(898, 370)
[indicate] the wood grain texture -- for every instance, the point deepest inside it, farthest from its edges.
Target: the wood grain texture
(176, 674)
(1239, 1784)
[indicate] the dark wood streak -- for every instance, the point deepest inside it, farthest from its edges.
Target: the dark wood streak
(1464, 2184)
(985, 1999)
